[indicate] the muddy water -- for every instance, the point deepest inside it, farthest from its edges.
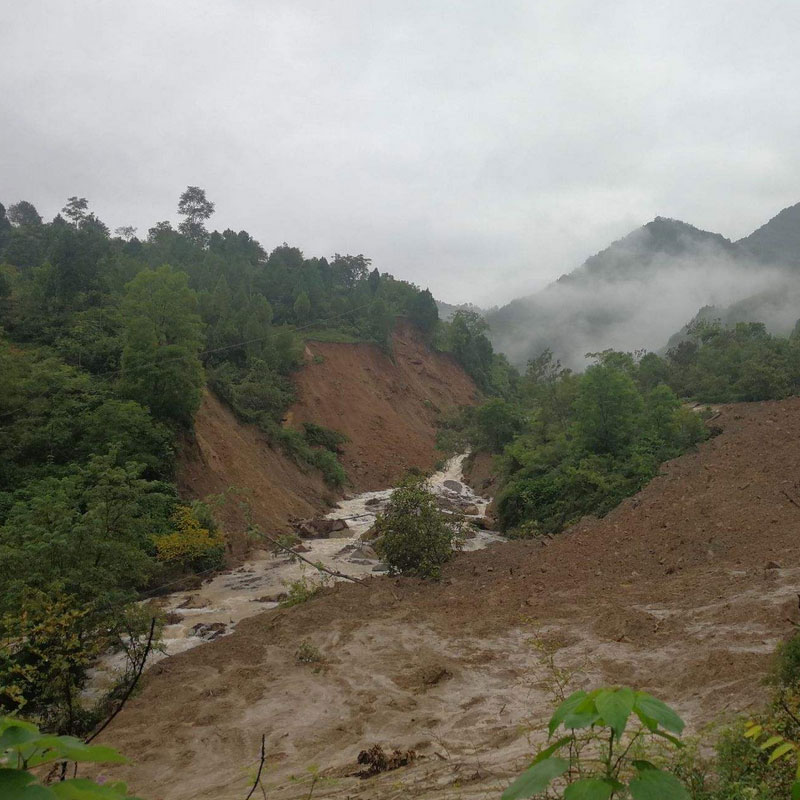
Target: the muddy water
(216, 607)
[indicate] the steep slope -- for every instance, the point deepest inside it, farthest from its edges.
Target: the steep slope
(778, 241)
(642, 288)
(684, 591)
(225, 454)
(387, 406)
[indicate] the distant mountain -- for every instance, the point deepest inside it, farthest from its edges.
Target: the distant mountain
(778, 241)
(643, 287)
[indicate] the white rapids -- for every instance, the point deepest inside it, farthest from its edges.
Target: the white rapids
(215, 608)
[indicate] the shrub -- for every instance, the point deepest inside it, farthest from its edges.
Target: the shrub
(416, 537)
(302, 590)
(600, 755)
(189, 545)
(319, 436)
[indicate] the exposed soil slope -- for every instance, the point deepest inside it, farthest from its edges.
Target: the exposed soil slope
(225, 453)
(387, 406)
(673, 592)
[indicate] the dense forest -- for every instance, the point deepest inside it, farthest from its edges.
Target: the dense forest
(566, 445)
(106, 346)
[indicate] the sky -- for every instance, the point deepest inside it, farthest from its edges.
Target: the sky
(480, 148)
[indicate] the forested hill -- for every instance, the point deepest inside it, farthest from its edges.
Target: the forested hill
(106, 347)
(642, 288)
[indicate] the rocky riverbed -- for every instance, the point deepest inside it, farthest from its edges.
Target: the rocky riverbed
(221, 602)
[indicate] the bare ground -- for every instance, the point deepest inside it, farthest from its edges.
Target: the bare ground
(684, 590)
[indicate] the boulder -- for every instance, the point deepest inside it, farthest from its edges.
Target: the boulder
(365, 551)
(319, 528)
(374, 501)
(454, 486)
(471, 510)
(482, 522)
(209, 630)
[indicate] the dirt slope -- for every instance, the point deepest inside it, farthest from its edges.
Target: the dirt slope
(387, 406)
(671, 593)
(225, 453)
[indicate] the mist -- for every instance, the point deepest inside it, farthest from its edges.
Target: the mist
(581, 313)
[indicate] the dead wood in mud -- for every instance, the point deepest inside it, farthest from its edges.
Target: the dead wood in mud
(670, 593)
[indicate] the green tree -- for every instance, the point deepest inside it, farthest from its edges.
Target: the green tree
(197, 209)
(424, 313)
(76, 210)
(302, 308)
(163, 335)
(23, 214)
(415, 537)
(607, 410)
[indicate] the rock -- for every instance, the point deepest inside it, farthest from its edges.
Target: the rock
(772, 565)
(365, 551)
(319, 528)
(209, 630)
(195, 601)
(380, 568)
(370, 535)
(482, 522)
(445, 504)
(472, 510)
(271, 598)
(454, 485)
(300, 548)
(374, 501)
(469, 532)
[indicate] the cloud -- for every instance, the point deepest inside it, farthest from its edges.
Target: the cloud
(478, 148)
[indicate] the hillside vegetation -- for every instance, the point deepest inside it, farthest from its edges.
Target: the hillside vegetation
(107, 345)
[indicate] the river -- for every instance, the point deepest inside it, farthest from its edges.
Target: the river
(216, 607)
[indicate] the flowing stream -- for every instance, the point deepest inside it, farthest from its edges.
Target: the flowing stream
(215, 608)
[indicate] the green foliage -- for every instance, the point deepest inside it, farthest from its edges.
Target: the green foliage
(601, 755)
(163, 335)
(497, 422)
(190, 545)
(103, 351)
(729, 364)
(319, 436)
(24, 748)
(303, 589)
(587, 442)
(415, 537)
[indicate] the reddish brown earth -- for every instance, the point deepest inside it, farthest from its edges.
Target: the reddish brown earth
(225, 453)
(387, 406)
(674, 592)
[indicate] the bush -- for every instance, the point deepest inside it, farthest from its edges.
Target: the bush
(416, 537)
(189, 545)
(319, 436)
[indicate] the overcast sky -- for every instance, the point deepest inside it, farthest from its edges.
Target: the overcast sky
(480, 148)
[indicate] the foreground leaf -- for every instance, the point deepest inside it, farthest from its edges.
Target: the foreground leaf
(653, 709)
(536, 779)
(615, 707)
(588, 789)
(655, 784)
(567, 707)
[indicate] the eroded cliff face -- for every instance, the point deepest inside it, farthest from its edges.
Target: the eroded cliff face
(387, 406)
